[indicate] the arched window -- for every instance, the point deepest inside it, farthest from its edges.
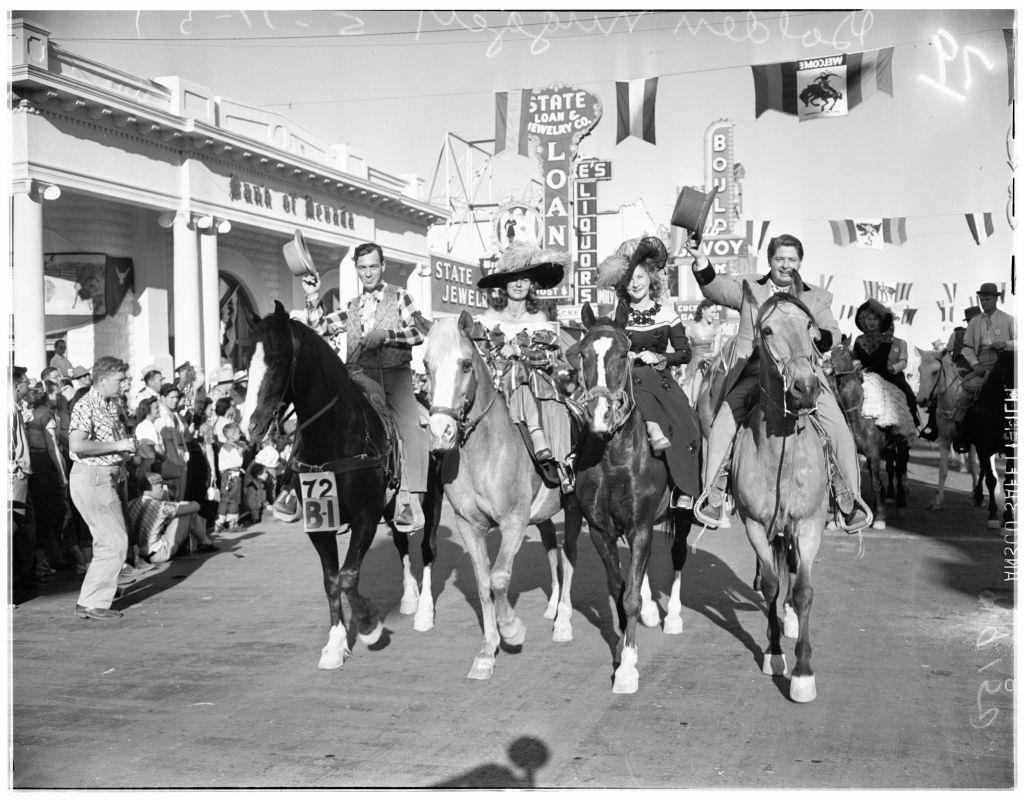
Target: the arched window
(238, 320)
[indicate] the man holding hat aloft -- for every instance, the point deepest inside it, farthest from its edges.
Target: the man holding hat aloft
(383, 326)
(739, 391)
(989, 333)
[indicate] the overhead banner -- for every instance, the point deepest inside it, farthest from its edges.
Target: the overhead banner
(559, 116)
(81, 287)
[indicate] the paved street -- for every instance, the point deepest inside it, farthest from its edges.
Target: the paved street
(210, 679)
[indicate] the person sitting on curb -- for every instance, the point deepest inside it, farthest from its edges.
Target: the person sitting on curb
(162, 526)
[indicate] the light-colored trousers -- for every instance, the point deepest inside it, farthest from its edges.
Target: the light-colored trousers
(733, 410)
(94, 492)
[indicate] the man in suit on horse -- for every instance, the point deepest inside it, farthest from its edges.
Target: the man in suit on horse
(988, 333)
(383, 326)
(739, 391)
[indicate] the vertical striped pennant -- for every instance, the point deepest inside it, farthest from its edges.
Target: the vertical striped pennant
(751, 227)
(635, 105)
(510, 121)
(980, 225)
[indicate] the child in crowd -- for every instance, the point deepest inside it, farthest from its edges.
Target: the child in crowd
(229, 460)
(160, 526)
(254, 492)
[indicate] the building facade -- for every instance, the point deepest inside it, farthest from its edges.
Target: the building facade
(149, 215)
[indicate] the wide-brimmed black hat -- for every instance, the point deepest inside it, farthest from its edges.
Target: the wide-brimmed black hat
(885, 316)
(970, 312)
(990, 289)
(545, 267)
(617, 269)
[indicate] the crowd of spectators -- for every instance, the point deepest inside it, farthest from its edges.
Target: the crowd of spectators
(108, 479)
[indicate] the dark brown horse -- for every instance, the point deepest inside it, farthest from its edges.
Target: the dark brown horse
(989, 426)
(876, 444)
(621, 486)
(339, 433)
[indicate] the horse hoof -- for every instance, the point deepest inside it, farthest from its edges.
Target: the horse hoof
(935, 506)
(673, 625)
(513, 634)
(627, 681)
(878, 524)
(993, 524)
(774, 665)
(551, 612)
(424, 622)
(331, 658)
(372, 637)
(802, 689)
(790, 623)
(483, 669)
(649, 615)
(562, 632)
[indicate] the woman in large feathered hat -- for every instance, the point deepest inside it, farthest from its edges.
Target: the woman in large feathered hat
(522, 345)
(658, 342)
(879, 351)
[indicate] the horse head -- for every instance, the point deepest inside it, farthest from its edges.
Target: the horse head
(604, 371)
(454, 371)
(785, 333)
(270, 389)
(928, 371)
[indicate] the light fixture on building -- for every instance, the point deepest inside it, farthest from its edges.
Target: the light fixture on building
(47, 191)
(223, 226)
(204, 222)
(166, 220)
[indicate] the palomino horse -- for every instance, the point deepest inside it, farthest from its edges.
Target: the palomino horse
(621, 487)
(939, 382)
(989, 427)
(779, 475)
(490, 481)
(340, 432)
(873, 442)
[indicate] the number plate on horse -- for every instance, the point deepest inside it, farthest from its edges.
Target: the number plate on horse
(319, 495)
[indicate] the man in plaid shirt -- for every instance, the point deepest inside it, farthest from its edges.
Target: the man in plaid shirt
(382, 327)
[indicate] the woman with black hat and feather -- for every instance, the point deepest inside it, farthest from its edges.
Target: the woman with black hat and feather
(879, 351)
(522, 347)
(658, 342)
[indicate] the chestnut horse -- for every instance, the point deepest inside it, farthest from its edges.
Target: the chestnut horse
(490, 481)
(779, 475)
(339, 431)
(622, 488)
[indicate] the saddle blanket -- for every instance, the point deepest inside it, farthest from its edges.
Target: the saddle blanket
(886, 404)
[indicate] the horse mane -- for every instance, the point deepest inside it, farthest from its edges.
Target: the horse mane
(274, 331)
(777, 299)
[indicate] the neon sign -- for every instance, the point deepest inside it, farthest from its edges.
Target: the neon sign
(941, 40)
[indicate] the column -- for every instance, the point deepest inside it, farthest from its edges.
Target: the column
(186, 298)
(27, 298)
(210, 278)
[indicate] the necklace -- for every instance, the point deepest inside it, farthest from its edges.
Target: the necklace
(643, 318)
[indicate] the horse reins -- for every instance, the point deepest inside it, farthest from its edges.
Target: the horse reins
(621, 399)
(460, 415)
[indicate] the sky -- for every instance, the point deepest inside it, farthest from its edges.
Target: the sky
(393, 83)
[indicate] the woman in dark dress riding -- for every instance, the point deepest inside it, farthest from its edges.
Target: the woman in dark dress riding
(658, 342)
(879, 351)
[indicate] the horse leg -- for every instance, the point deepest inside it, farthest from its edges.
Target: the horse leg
(424, 619)
(410, 591)
(649, 614)
(367, 619)
(943, 472)
(333, 655)
(627, 677)
(682, 522)
(975, 470)
(607, 548)
(786, 559)
(510, 627)
(902, 459)
(473, 541)
(550, 541)
(991, 481)
(774, 662)
(808, 539)
(877, 486)
(573, 522)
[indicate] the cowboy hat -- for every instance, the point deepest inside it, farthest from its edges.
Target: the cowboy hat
(990, 289)
(297, 256)
(971, 312)
(225, 374)
(545, 267)
(692, 209)
(617, 269)
(78, 372)
(183, 367)
(885, 316)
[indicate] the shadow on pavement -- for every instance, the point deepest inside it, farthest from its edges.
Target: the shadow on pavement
(527, 754)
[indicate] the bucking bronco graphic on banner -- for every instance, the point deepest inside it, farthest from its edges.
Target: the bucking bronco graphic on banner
(821, 87)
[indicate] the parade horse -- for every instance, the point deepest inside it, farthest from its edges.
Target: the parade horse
(622, 488)
(338, 430)
(989, 426)
(711, 378)
(939, 382)
(490, 481)
(875, 443)
(779, 475)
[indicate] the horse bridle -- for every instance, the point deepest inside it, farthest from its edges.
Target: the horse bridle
(278, 417)
(460, 415)
(784, 369)
(621, 399)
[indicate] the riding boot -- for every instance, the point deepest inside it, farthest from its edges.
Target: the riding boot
(541, 449)
(659, 442)
(567, 475)
(709, 508)
(855, 513)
